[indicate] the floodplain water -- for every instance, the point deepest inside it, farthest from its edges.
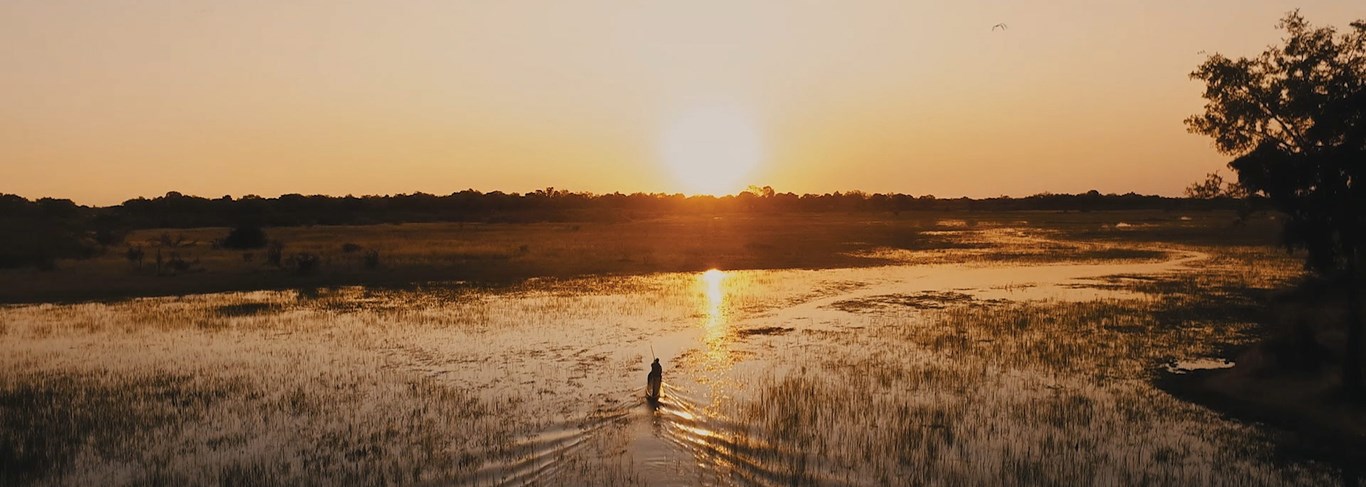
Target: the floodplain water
(967, 373)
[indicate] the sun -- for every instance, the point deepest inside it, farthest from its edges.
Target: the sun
(711, 150)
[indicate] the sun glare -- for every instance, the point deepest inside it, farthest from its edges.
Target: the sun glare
(712, 278)
(711, 150)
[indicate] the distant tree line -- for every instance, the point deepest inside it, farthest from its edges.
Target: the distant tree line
(39, 231)
(175, 210)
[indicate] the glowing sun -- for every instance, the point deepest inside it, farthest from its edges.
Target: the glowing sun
(711, 150)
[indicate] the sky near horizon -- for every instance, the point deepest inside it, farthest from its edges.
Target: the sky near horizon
(105, 100)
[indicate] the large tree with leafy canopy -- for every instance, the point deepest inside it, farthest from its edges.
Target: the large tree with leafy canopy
(1294, 119)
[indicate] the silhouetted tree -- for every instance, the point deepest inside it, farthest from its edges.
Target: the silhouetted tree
(761, 191)
(1214, 186)
(1211, 187)
(1294, 117)
(37, 233)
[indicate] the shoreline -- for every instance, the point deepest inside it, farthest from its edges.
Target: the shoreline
(1304, 412)
(1296, 434)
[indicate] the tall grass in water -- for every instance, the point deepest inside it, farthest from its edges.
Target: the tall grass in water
(540, 382)
(1033, 393)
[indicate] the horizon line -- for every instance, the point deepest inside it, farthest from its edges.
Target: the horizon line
(561, 191)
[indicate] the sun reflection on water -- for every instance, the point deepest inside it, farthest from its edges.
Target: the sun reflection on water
(717, 332)
(715, 287)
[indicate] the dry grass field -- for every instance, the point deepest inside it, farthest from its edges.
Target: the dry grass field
(410, 254)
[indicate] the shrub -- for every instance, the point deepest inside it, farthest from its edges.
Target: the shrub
(245, 237)
(179, 265)
(174, 242)
(275, 253)
(305, 263)
(135, 255)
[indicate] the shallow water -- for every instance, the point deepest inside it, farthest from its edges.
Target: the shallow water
(925, 374)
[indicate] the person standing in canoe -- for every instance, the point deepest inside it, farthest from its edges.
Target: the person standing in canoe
(654, 381)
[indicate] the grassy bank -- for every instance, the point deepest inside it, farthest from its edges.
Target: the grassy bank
(1291, 377)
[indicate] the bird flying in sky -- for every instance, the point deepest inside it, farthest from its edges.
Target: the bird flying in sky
(1001, 26)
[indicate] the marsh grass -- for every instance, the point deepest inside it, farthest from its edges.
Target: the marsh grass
(282, 422)
(1025, 393)
(538, 382)
(47, 419)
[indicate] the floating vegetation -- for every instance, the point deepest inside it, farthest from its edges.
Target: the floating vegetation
(921, 300)
(763, 330)
(245, 309)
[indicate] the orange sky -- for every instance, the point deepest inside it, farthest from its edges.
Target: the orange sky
(105, 100)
